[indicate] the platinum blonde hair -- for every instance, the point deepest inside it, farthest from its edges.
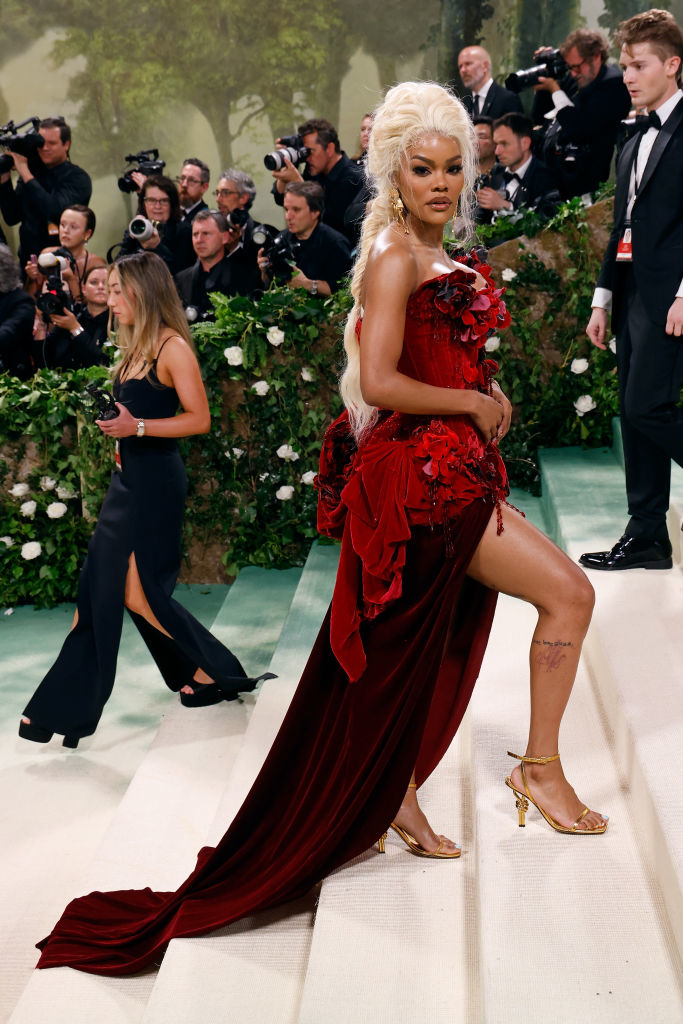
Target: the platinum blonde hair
(409, 112)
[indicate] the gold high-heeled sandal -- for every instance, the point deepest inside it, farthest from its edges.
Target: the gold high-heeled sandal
(522, 802)
(412, 843)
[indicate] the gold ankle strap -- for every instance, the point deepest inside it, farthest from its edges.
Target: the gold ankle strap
(533, 760)
(413, 785)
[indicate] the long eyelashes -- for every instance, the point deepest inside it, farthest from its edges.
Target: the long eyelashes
(422, 171)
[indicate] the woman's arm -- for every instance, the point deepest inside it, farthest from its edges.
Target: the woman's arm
(177, 368)
(391, 277)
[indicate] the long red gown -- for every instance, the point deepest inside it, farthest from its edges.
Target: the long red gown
(392, 669)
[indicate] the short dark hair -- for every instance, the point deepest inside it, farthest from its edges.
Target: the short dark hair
(325, 131)
(90, 219)
(656, 27)
(588, 42)
(57, 122)
(519, 124)
(204, 172)
(311, 191)
(483, 119)
(167, 186)
(215, 215)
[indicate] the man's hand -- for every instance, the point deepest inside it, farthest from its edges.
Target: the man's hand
(287, 174)
(597, 327)
(547, 85)
(67, 320)
(138, 178)
(21, 166)
(489, 199)
(674, 319)
(299, 280)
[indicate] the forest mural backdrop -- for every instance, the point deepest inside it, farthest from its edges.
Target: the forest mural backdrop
(220, 79)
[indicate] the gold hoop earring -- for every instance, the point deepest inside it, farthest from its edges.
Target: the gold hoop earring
(398, 208)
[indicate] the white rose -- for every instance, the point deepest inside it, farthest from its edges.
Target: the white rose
(309, 477)
(30, 550)
(613, 345)
(275, 336)
(491, 344)
(7, 541)
(56, 509)
(47, 483)
(237, 452)
(64, 493)
(286, 452)
(234, 355)
(28, 508)
(261, 387)
(509, 274)
(264, 476)
(584, 404)
(579, 365)
(306, 375)
(19, 490)
(285, 492)
(8, 611)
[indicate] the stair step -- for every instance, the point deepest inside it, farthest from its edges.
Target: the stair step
(163, 818)
(262, 961)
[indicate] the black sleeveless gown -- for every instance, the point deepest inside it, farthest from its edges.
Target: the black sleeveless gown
(142, 513)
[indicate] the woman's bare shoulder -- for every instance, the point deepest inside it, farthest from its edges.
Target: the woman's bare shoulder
(392, 262)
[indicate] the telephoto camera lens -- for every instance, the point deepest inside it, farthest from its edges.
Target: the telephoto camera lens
(141, 229)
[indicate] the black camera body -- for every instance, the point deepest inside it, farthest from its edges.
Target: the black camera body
(26, 143)
(293, 147)
(147, 162)
(553, 66)
(281, 250)
(236, 218)
(103, 402)
(56, 299)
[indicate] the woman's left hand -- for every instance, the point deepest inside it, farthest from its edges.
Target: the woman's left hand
(123, 425)
(503, 401)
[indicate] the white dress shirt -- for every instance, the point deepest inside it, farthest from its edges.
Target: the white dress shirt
(482, 94)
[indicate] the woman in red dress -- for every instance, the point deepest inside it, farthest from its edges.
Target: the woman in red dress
(412, 481)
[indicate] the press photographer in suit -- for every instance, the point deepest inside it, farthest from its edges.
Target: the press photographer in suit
(484, 97)
(642, 279)
(526, 182)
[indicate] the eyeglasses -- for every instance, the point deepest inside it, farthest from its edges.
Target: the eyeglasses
(226, 192)
(183, 179)
(575, 67)
(157, 202)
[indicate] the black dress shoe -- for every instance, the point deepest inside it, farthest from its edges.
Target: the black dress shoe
(631, 553)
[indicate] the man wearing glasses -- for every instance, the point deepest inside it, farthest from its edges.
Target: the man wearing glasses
(192, 182)
(235, 194)
(585, 110)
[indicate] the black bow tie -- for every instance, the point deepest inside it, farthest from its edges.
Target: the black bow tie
(643, 122)
(511, 176)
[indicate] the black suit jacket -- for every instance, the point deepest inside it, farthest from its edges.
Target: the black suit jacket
(185, 254)
(538, 189)
(656, 222)
(498, 101)
(229, 277)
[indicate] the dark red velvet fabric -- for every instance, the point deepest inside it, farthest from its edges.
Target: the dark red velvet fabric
(388, 679)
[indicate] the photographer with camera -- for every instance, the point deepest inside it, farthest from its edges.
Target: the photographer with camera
(214, 270)
(490, 174)
(155, 226)
(322, 255)
(235, 195)
(317, 143)
(16, 319)
(146, 163)
(484, 97)
(76, 227)
(585, 100)
(48, 183)
(70, 336)
(526, 181)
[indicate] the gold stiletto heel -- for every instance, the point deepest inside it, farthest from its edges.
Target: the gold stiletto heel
(523, 800)
(381, 841)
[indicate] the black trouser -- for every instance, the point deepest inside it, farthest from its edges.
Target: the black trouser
(650, 366)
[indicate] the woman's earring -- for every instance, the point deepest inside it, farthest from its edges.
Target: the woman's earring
(398, 208)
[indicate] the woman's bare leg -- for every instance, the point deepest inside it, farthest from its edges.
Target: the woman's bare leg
(523, 562)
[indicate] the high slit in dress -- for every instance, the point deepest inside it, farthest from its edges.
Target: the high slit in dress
(142, 513)
(391, 672)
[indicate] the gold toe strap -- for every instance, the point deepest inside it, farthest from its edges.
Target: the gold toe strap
(580, 818)
(533, 760)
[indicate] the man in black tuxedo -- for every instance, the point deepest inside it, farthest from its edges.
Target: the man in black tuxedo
(484, 96)
(585, 112)
(525, 182)
(642, 277)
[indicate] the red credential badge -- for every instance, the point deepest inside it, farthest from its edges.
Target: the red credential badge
(625, 247)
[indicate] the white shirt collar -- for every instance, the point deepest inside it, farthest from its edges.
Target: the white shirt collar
(667, 108)
(482, 93)
(521, 171)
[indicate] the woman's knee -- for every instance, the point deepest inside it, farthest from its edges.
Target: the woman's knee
(577, 595)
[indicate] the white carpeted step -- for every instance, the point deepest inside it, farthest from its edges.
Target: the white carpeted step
(253, 970)
(163, 819)
(571, 927)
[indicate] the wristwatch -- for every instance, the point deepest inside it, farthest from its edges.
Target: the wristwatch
(314, 288)
(76, 331)
(140, 432)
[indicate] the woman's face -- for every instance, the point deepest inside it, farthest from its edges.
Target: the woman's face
(157, 204)
(95, 288)
(121, 304)
(365, 129)
(431, 179)
(73, 230)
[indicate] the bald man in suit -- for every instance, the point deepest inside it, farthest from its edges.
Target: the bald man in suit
(484, 96)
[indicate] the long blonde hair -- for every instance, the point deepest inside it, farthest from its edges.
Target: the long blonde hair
(146, 280)
(409, 111)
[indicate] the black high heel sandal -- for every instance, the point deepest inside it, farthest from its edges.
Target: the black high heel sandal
(205, 694)
(36, 733)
